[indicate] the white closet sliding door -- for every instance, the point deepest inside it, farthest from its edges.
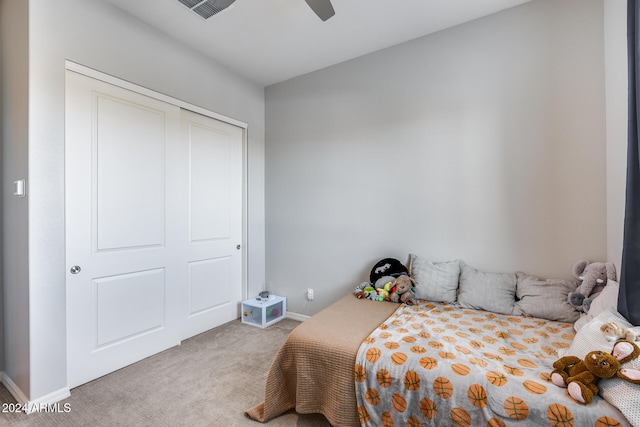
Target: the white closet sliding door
(213, 250)
(154, 220)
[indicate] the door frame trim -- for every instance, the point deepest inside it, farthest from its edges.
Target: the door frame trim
(116, 81)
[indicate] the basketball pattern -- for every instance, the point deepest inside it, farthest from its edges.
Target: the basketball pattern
(436, 364)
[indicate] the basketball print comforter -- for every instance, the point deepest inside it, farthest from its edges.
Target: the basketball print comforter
(435, 364)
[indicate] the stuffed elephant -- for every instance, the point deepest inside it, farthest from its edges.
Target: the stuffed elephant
(594, 277)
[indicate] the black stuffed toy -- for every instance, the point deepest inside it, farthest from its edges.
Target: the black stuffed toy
(388, 267)
(383, 273)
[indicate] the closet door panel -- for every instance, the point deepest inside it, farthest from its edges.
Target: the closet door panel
(214, 249)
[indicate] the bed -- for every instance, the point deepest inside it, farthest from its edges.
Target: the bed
(360, 362)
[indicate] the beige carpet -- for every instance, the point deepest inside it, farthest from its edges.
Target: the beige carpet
(209, 380)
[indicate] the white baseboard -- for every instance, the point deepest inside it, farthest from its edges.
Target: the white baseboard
(14, 389)
(297, 316)
(49, 400)
(36, 404)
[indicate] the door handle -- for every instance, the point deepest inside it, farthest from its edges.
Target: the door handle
(75, 269)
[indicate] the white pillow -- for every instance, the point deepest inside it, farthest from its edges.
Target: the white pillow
(435, 281)
(608, 299)
(590, 337)
(619, 393)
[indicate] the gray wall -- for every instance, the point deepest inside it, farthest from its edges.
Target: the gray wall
(102, 37)
(484, 142)
(14, 45)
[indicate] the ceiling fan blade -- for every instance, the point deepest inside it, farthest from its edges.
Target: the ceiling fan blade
(322, 8)
(222, 4)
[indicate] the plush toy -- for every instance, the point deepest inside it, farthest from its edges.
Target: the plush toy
(580, 376)
(402, 290)
(383, 281)
(372, 294)
(366, 291)
(382, 275)
(594, 277)
(384, 290)
(387, 267)
(613, 331)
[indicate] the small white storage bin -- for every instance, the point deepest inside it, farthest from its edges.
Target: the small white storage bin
(263, 312)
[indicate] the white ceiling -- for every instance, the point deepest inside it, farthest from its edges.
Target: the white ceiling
(269, 41)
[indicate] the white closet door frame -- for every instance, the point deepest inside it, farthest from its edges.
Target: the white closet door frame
(98, 75)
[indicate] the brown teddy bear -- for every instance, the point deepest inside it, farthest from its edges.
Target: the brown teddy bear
(402, 290)
(580, 376)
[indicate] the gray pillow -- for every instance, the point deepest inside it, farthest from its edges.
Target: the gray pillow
(545, 298)
(435, 281)
(494, 292)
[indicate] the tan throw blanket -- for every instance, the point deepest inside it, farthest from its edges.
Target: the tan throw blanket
(313, 371)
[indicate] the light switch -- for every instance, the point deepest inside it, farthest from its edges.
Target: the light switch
(18, 188)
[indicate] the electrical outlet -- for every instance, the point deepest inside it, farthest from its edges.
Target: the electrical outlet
(310, 294)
